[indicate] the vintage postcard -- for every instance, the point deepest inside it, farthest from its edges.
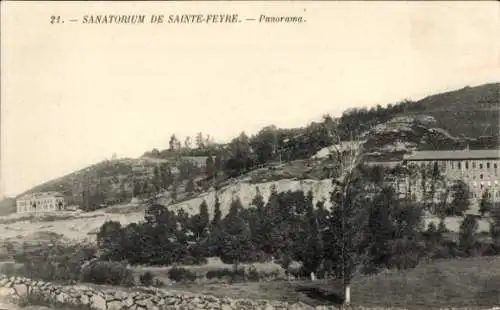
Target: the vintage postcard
(250, 155)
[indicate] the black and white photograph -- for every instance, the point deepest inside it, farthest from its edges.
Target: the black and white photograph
(237, 155)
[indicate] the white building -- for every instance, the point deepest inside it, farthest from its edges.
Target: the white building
(479, 169)
(40, 202)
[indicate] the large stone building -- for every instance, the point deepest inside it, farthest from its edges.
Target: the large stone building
(479, 169)
(40, 202)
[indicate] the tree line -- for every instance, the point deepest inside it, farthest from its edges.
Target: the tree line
(380, 231)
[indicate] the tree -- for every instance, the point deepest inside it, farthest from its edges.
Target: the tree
(217, 214)
(495, 226)
(240, 155)
(109, 239)
(166, 176)
(157, 180)
(187, 143)
(236, 245)
(468, 235)
(173, 192)
(258, 200)
(486, 204)
(136, 192)
(312, 254)
(200, 143)
(190, 186)
(381, 229)
(265, 144)
(460, 198)
(210, 168)
(173, 143)
(199, 222)
(349, 215)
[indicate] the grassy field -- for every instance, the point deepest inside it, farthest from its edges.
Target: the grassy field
(473, 282)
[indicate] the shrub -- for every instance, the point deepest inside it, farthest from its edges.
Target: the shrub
(299, 272)
(113, 273)
(9, 269)
(218, 273)
(234, 275)
(181, 275)
(158, 283)
(54, 262)
(253, 274)
(146, 279)
(238, 274)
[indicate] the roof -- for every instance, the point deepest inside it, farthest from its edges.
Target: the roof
(454, 155)
(41, 195)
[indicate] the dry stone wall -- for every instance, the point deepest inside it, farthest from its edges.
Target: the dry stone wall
(80, 297)
(16, 289)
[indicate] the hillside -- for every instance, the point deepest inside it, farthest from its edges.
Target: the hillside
(82, 226)
(469, 112)
(452, 120)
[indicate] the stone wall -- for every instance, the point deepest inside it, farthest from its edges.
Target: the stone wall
(80, 297)
(16, 289)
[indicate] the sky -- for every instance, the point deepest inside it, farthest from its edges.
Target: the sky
(74, 94)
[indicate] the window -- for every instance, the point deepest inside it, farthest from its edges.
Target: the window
(495, 166)
(481, 176)
(487, 165)
(480, 166)
(459, 165)
(466, 165)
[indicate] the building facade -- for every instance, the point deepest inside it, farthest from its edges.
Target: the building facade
(479, 169)
(40, 202)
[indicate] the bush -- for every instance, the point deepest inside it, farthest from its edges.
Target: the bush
(146, 279)
(253, 274)
(9, 269)
(54, 263)
(112, 273)
(181, 275)
(238, 275)
(218, 273)
(234, 275)
(192, 260)
(299, 272)
(158, 283)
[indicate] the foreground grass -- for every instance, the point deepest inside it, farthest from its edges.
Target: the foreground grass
(472, 283)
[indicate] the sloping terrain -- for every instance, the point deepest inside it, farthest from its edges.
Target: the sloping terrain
(82, 226)
(470, 111)
(451, 120)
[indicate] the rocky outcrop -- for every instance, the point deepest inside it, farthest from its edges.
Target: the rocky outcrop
(18, 289)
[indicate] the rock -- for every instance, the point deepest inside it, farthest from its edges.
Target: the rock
(226, 307)
(6, 291)
(84, 299)
(62, 298)
(300, 306)
(21, 289)
(147, 303)
(128, 302)
(115, 305)
(98, 302)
